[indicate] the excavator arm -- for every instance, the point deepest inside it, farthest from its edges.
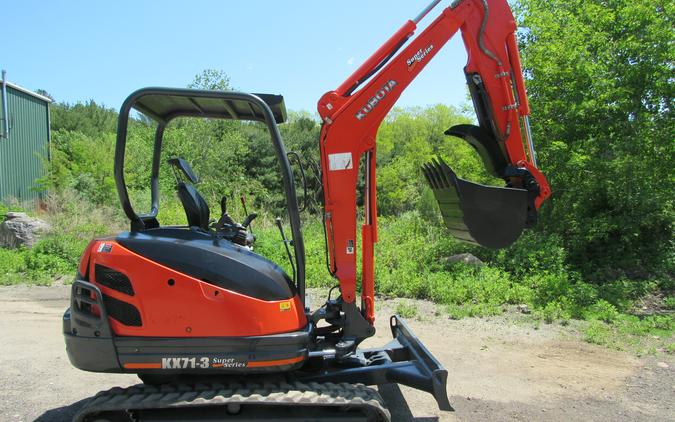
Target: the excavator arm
(352, 114)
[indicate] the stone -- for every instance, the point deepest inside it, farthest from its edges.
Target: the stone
(523, 308)
(465, 258)
(18, 229)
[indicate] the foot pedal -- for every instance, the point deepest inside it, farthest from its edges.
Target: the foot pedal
(488, 216)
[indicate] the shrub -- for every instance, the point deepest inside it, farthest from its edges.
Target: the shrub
(12, 265)
(669, 302)
(533, 253)
(602, 311)
(406, 310)
(548, 287)
(473, 310)
(597, 332)
(554, 311)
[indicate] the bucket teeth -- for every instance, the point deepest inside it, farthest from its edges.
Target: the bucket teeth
(484, 215)
(438, 174)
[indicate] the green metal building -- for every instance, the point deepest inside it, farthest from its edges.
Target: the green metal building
(24, 141)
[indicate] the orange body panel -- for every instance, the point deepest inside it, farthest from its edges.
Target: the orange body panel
(188, 307)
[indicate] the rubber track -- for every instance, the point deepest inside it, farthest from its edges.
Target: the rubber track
(172, 396)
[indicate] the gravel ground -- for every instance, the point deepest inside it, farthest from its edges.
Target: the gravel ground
(499, 369)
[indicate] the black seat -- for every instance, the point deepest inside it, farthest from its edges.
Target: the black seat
(196, 208)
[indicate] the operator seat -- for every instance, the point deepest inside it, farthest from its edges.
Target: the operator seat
(196, 208)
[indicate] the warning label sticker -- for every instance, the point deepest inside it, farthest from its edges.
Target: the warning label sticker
(341, 161)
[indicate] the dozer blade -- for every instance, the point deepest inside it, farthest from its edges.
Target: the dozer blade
(488, 216)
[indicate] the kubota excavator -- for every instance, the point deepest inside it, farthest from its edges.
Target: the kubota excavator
(218, 332)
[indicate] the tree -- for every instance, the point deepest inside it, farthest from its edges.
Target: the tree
(600, 86)
(88, 118)
(44, 93)
(211, 79)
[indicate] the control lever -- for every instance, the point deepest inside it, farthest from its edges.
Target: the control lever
(249, 219)
(223, 205)
(286, 243)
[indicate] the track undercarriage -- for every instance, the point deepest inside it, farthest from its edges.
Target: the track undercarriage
(250, 400)
(327, 387)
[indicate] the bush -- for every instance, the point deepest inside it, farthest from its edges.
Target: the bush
(669, 302)
(406, 310)
(548, 287)
(623, 293)
(597, 333)
(602, 311)
(629, 331)
(533, 253)
(479, 310)
(554, 311)
(12, 265)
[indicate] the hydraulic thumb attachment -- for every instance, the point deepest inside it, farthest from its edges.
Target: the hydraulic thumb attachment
(489, 216)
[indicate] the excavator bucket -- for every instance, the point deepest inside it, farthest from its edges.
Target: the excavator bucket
(488, 216)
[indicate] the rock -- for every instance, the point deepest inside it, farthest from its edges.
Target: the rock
(523, 309)
(18, 229)
(662, 365)
(465, 258)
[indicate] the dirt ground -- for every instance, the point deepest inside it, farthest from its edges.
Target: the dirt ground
(499, 369)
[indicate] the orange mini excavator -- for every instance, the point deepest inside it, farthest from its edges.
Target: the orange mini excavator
(218, 332)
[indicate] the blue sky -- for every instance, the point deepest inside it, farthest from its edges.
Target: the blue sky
(104, 50)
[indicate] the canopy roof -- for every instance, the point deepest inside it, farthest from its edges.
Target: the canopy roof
(164, 104)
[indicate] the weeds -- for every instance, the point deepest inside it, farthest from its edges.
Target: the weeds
(628, 332)
(406, 309)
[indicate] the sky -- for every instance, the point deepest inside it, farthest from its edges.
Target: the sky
(103, 50)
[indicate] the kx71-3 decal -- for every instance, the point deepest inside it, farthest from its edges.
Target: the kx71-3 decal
(201, 363)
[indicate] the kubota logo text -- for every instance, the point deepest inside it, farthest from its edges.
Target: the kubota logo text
(373, 102)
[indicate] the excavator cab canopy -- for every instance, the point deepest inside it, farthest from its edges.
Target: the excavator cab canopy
(165, 104)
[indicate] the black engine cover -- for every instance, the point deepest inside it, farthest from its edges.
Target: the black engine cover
(212, 260)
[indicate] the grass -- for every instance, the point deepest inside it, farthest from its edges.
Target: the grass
(74, 223)
(648, 335)
(406, 310)
(473, 310)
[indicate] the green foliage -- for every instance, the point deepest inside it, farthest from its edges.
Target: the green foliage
(89, 119)
(601, 93)
(602, 311)
(471, 310)
(669, 303)
(11, 262)
(82, 163)
(268, 243)
(74, 221)
(628, 332)
(534, 253)
(409, 138)
(554, 311)
(406, 310)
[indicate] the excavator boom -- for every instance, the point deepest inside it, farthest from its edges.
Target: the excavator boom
(352, 114)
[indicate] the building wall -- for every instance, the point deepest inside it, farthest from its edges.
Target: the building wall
(24, 153)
